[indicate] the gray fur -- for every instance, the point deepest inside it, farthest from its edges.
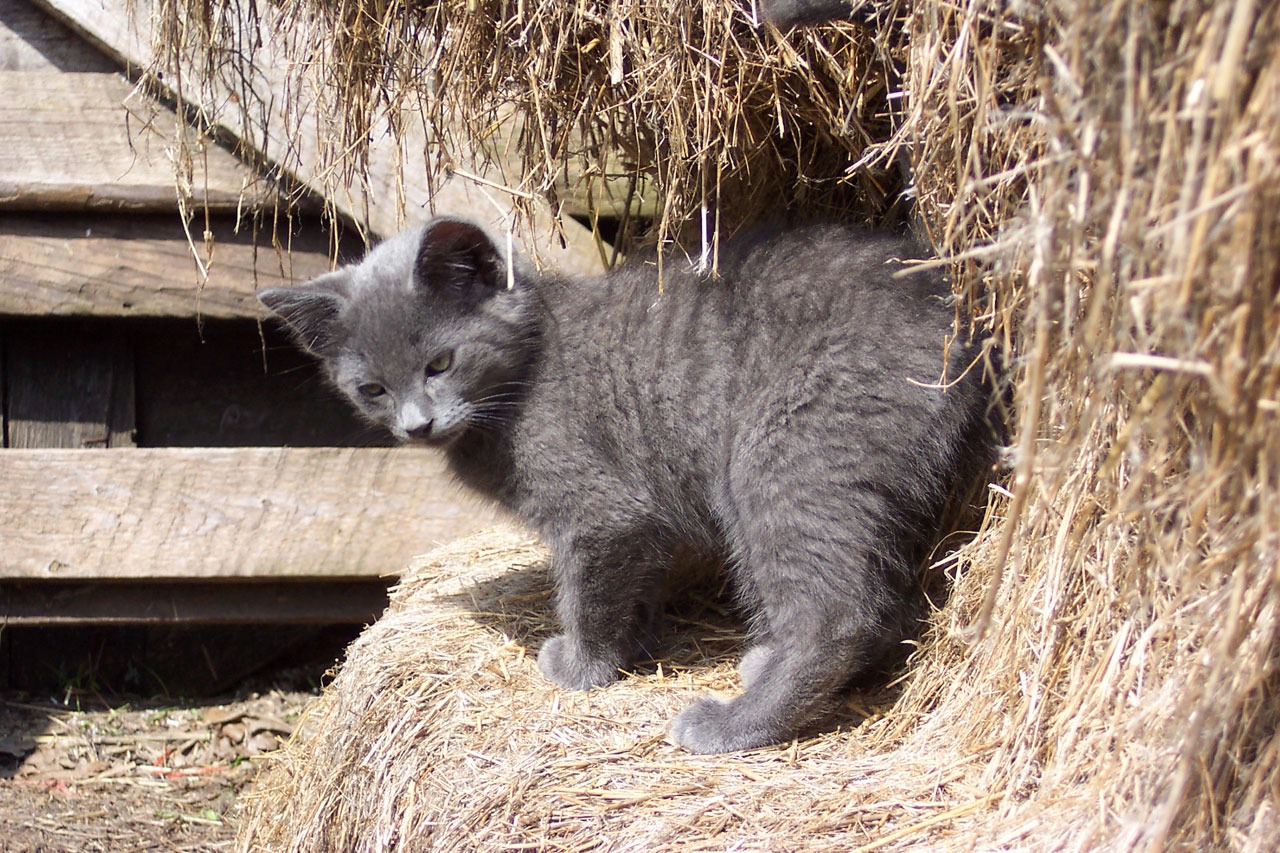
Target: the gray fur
(786, 416)
(789, 13)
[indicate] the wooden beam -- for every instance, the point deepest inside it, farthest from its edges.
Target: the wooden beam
(142, 267)
(268, 513)
(91, 142)
(285, 127)
(32, 41)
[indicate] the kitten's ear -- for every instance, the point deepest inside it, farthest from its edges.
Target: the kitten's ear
(311, 311)
(458, 261)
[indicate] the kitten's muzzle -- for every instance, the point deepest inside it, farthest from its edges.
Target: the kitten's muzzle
(412, 423)
(421, 432)
(428, 433)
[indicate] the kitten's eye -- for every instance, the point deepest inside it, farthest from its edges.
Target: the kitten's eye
(440, 363)
(371, 390)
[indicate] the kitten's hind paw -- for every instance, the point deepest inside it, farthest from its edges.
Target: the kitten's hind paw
(564, 665)
(711, 725)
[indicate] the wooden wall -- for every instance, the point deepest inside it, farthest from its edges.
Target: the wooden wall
(167, 457)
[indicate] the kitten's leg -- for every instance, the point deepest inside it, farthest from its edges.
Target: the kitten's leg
(607, 588)
(830, 593)
(789, 681)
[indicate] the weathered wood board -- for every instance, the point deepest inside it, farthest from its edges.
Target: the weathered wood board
(199, 514)
(139, 266)
(89, 141)
(73, 392)
(281, 122)
(30, 40)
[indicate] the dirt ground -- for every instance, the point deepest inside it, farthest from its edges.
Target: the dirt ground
(86, 773)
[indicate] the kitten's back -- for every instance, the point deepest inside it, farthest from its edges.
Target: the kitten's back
(807, 333)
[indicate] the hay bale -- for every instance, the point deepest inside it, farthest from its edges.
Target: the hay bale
(1104, 177)
(439, 732)
(723, 118)
(1133, 250)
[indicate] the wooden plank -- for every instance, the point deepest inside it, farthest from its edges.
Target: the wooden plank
(143, 267)
(31, 603)
(30, 40)
(285, 126)
(173, 513)
(91, 142)
(72, 391)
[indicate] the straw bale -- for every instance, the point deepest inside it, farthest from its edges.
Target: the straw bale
(1103, 178)
(716, 116)
(439, 732)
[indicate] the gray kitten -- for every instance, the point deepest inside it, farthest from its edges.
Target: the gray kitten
(787, 416)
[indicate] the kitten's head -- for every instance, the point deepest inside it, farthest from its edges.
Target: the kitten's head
(423, 335)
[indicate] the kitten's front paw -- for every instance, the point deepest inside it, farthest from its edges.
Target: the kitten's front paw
(710, 725)
(562, 664)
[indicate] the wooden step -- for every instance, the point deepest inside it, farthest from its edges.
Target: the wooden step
(167, 514)
(144, 266)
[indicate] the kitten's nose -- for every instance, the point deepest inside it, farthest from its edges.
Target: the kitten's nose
(414, 421)
(420, 431)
